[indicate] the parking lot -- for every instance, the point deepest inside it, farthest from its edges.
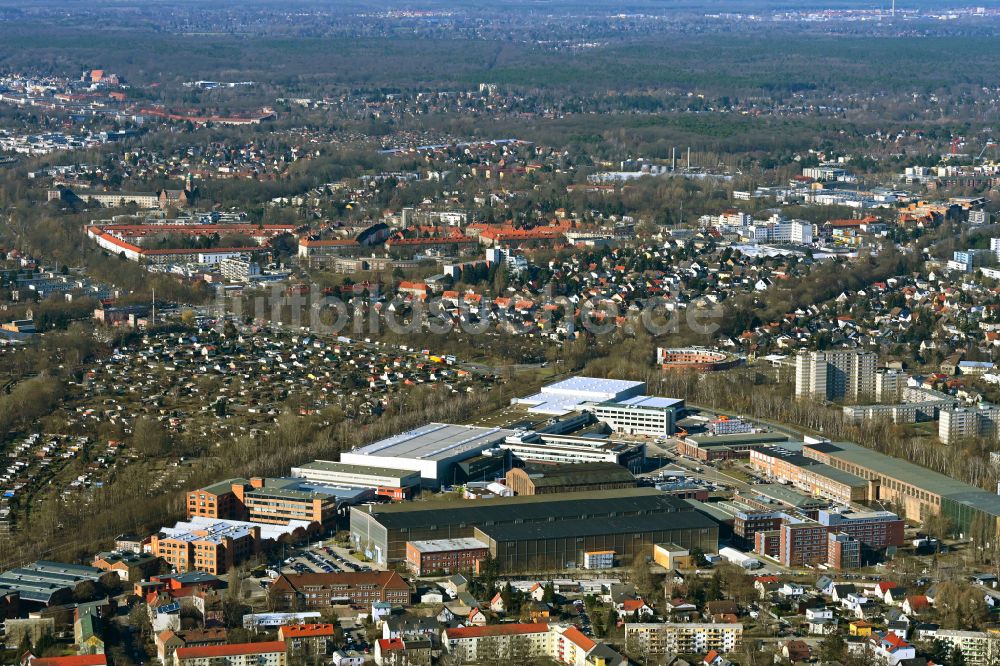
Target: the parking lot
(323, 558)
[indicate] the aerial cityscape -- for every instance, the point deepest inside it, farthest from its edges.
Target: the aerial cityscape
(454, 332)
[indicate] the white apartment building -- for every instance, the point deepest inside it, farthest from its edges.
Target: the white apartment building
(240, 268)
(846, 374)
(794, 231)
(978, 647)
(516, 642)
(957, 424)
(964, 422)
(269, 653)
(889, 385)
(682, 637)
(899, 413)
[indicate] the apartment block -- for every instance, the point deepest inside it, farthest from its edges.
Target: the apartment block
(307, 639)
(889, 385)
(978, 648)
(269, 653)
(682, 638)
(960, 423)
(522, 642)
(836, 375)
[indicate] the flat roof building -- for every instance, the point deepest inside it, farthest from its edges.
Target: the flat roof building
(725, 447)
(210, 546)
(447, 556)
(381, 531)
(570, 394)
(808, 474)
(45, 582)
(563, 544)
(433, 450)
(639, 415)
(539, 480)
(920, 491)
(278, 501)
(533, 447)
(386, 482)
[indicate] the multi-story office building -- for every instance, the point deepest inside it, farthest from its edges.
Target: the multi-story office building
(803, 542)
(319, 590)
(260, 500)
(843, 552)
(845, 374)
(434, 450)
(779, 463)
(533, 447)
(682, 637)
(794, 231)
(206, 546)
(639, 415)
(873, 529)
(748, 521)
(268, 653)
(919, 491)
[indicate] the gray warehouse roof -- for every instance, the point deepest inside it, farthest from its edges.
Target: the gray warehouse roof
(435, 441)
(40, 580)
(564, 529)
(529, 507)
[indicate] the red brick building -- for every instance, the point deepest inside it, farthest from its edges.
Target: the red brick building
(445, 555)
(320, 590)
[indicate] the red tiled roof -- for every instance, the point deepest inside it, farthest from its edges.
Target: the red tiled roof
(209, 651)
(391, 644)
(579, 639)
(305, 630)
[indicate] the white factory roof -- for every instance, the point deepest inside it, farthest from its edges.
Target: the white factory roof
(568, 395)
(434, 441)
(607, 389)
(218, 528)
(651, 402)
